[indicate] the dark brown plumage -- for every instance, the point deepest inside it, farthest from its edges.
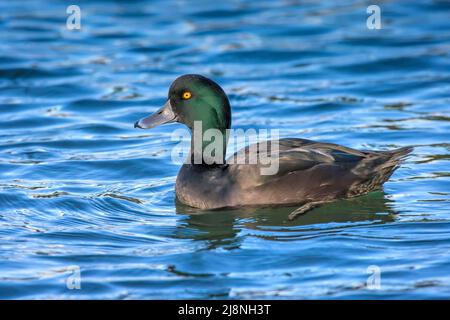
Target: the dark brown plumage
(309, 173)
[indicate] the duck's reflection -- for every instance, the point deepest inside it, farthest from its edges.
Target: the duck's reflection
(222, 228)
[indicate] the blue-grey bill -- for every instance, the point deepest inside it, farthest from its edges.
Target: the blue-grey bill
(163, 115)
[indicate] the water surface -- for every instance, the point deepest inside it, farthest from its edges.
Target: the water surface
(80, 188)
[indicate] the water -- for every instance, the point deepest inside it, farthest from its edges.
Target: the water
(81, 189)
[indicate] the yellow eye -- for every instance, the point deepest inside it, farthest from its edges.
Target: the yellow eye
(187, 95)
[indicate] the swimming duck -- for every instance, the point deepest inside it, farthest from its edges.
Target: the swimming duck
(309, 173)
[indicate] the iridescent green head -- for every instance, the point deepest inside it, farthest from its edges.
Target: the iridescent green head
(193, 99)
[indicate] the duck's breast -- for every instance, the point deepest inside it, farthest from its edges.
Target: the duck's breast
(205, 187)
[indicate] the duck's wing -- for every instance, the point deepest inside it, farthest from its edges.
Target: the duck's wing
(300, 154)
(294, 154)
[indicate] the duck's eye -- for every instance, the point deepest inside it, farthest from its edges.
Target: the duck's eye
(186, 95)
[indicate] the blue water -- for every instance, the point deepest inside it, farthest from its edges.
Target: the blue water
(81, 189)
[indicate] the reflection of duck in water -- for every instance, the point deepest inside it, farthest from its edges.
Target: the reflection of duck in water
(310, 173)
(221, 227)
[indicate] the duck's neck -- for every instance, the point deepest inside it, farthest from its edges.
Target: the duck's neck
(208, 143)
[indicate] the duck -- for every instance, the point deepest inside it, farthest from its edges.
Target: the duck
(309, 173)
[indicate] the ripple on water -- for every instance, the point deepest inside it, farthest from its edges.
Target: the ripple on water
(81, 188)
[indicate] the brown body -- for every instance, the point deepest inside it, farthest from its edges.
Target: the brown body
(308, 172)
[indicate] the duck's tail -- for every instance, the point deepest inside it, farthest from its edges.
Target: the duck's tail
(392, 162)
(377, 169)
(396, 156)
